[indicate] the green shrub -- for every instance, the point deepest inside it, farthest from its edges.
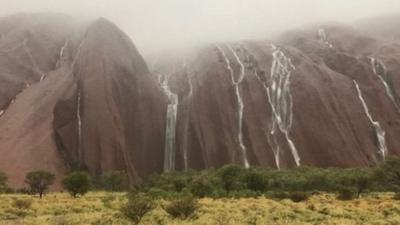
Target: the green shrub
(170, 182)
(138, 205)
(232, 177)
(389, 173)
(358, 179)
(202, 186)
(255, 180)
(39, 181)
(236, 181)
(24, 191)
(115, 181)
(396, 196)
(22, 203)
(157, 193)
(244, 194)
(182, 208)
(347, 193)
(77, 183)
(3, 182)
(278, 195)
(299, 196)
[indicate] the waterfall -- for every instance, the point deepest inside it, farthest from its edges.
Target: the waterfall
(380, 133)
(324, 38)
(78, 116)
(380, 71)
(186, 128)
(272, 142)
(280, 100)
(61, 54)
(170, 130)
(78, 52)
(35, 65)
(240, 107)
(236, 85)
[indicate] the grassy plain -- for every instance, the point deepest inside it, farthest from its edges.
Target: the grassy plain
(101, 208)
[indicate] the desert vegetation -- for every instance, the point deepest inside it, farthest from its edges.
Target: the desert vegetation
(228, 195)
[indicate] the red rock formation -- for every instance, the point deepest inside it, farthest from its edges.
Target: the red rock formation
(79, 96)
(76, 96)
(330, 125)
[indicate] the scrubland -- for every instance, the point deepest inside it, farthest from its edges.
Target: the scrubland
(101, 208)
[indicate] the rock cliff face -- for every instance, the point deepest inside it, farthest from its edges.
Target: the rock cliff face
(325, 96)
(78, 95)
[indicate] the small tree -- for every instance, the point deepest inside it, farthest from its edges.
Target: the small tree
(358, 180)
(116, 181)
(39, 181)
(138, 205)
(202, 186)
(77, 183)
(389, 173)
(3, 182)
(232, 177)
(182, 208)
(255, 180)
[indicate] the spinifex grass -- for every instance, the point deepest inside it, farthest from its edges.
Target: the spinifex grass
(99, 208)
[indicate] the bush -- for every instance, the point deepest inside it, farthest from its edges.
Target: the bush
(23, 191)
(39, 181)
(77, 183)
(347, 193)
(138, 205)
(389, 173)
(3, 182)
(244, 194)
(396, 196)
(236, 181)
(115, 181)
(278, 195)
(299, 196)
(232, 177)
(22, 203)
(255, 180)
(182, 208)
(157, 193)
(358, 179)
(202, 186)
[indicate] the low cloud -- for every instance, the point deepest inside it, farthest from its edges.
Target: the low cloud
(161, 24)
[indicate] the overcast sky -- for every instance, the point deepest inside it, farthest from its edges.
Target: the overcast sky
(156, 24)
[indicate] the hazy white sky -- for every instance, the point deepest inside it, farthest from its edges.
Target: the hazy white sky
(155, 24)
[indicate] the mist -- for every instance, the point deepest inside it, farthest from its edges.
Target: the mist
(159, 25)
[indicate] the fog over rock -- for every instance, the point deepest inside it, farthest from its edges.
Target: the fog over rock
(76, 93)
(76, 96)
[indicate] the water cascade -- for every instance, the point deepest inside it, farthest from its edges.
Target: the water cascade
(35, 65)
(324, 38)
(79, 119)
(236, 85)
(380, 71)
(188, 99)
(61, 54)
(170, 130)
(380, 133)
(280, 100)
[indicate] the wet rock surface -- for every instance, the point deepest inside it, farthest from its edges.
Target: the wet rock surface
(79, 95)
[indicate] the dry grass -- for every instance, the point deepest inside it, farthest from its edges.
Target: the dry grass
(99, 208)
